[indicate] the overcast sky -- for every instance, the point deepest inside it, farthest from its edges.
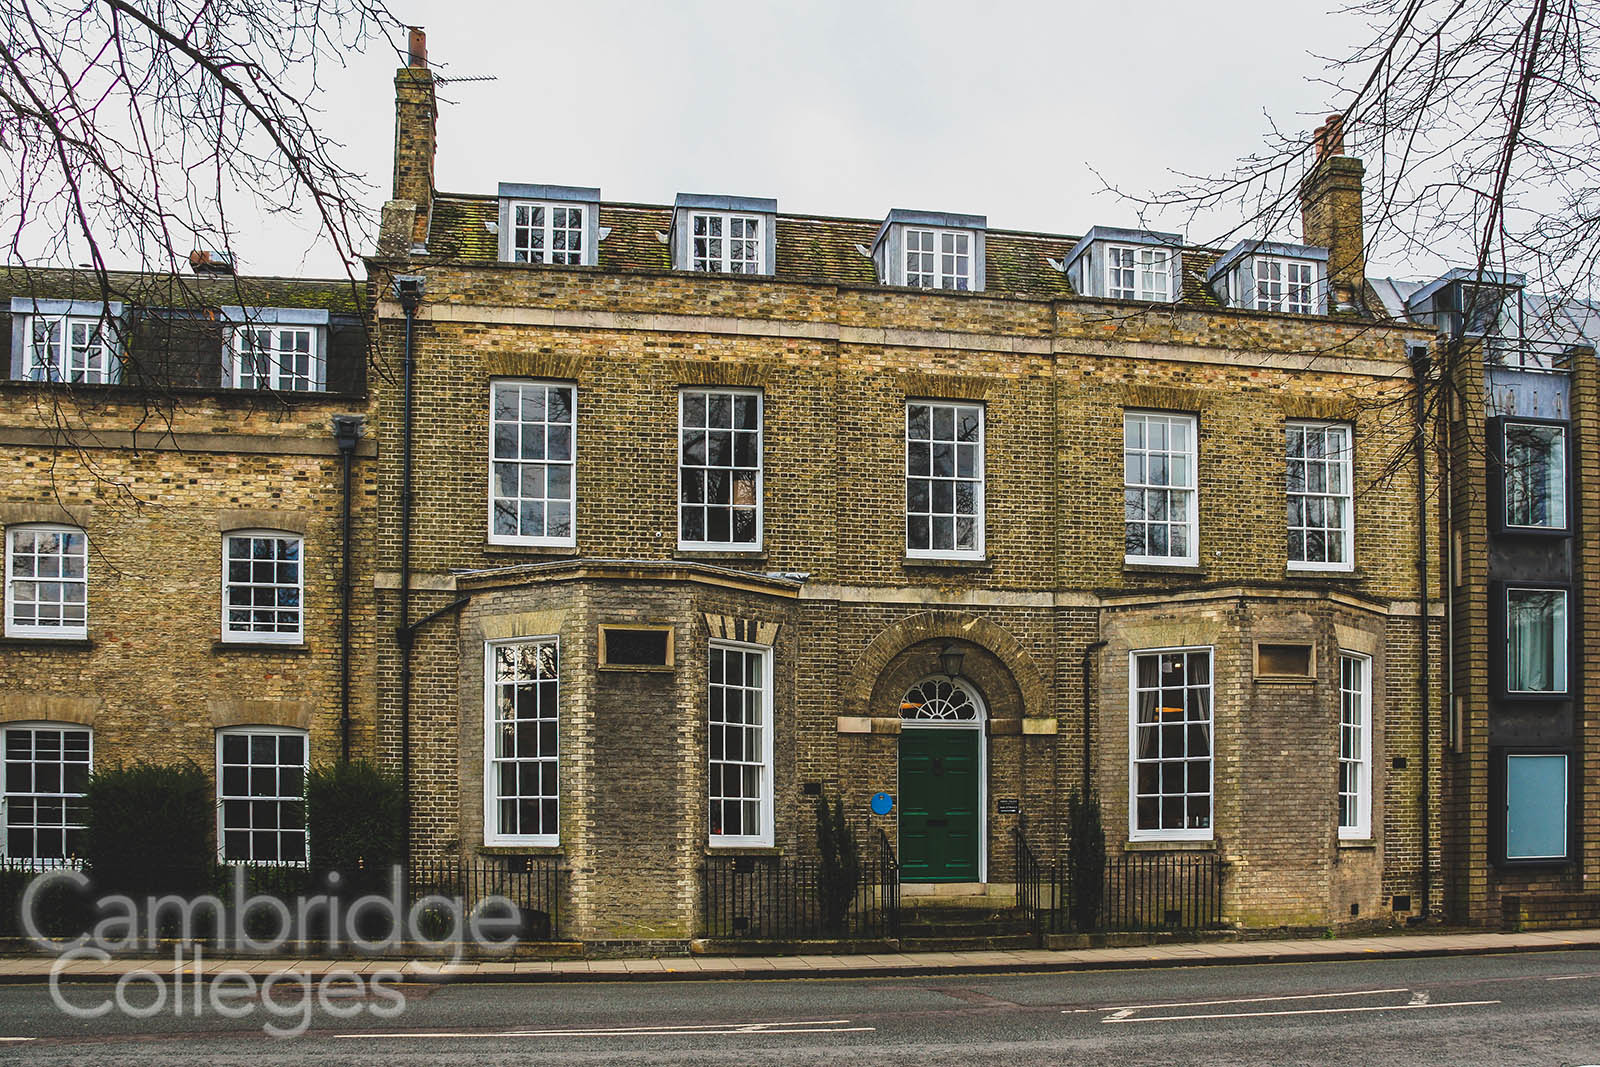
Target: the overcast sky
(1002, 109)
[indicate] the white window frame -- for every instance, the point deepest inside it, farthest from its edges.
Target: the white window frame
(1190, 491)
(492, 834)
(269, 371)
(764, 838)
(723, 262)
(1186, 833)
(976, 480)
(1150, 266)
(61, 348)
(33, 630)
(232, 635)
(1275, 290)
(1561, 640)
(248, 797)
(1355, 745)
(520, 464)
(7, 792)
(1342, 464)
(547, 230)
(944, 272)
(684, 543)
(1560, 457)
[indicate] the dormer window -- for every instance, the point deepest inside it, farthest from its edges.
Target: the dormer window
(938, 259)
(1124, 264)
(555, 225)
(723, 234)
(281, 349)
(927, 250)
(546, 233)
(1267, 276)
(75, 341)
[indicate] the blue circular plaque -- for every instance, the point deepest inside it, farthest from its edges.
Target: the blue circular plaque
(882, 803)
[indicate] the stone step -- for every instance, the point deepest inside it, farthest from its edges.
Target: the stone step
(918, 927)
(966, 944)
(945, 916)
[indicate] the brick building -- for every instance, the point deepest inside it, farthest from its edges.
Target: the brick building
(715, 508)
(172, 493)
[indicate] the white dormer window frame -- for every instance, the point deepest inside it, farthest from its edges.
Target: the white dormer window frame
(74, 341)
(1138, 272)
(727, 242)
(545, 231)
(935, 258)
(284, 350)
(1283, 283)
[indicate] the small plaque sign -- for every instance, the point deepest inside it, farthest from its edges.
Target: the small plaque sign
(1008, 806)
(882, 803)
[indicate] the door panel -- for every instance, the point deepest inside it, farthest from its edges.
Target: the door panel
(939, 780)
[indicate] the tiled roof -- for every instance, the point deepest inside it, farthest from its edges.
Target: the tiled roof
(812, 249)
(338, 296)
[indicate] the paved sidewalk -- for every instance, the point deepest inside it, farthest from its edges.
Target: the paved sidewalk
(30, 969)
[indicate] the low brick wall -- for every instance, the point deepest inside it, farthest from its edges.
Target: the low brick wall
(1555, 911)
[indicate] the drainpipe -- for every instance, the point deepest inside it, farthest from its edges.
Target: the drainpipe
(408, 290)
(1419, 376)
(346, 433)
(1089, 654)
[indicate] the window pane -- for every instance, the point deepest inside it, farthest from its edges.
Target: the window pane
(1536, 640)
(1536, 807)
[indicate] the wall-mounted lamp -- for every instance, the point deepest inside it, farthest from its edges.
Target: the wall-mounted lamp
(950, 658)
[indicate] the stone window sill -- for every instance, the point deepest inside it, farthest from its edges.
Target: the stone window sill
(720, 555)
(260, 646)
(79, 643)
(1357, 844)
(513, 851)
(743, 850)
(494, 548)
(927, 563)
(1170, 846)
(1177, 570)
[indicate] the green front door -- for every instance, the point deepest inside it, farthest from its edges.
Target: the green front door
(939, 805)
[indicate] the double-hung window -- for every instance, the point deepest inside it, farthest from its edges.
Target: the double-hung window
(944, 479)
(719, 469)
(1285, 285)
(1159, 488)
(739, 744)
(261, 795)
(1355, 746)
(1535, 470)
(1536, 641)
(1170, 743)
(521, 760)
(263, 587)
(726, 244)
(1137, 273)
(72, 348)
(1319, 493)
(532, 476)
(46, 771)
(47, 581)
(938, 259)
(547, 233)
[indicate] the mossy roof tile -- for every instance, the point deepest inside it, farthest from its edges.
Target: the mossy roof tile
(338, 296)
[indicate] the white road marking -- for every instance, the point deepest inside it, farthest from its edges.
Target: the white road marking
(18, 1039)
(1419, 998)
(1303, 1011)
(1572, 977)
(1236, 1000)
(810, 1026)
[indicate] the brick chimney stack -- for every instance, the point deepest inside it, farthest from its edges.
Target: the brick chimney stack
(416, 117)
(1330, 215)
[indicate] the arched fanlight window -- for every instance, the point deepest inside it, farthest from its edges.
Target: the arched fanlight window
(938, 700)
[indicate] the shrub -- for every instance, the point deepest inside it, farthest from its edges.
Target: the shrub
(1086, 860)
(356, 822)
(150, 830)
(840, 868)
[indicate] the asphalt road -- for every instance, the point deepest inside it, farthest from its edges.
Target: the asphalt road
(1537, 1008)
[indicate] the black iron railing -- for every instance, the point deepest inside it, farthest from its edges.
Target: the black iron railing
(1140, 892)
(531, 883)
(785, 898)
(1030, 886)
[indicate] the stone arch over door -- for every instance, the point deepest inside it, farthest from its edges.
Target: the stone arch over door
(1006, 676)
